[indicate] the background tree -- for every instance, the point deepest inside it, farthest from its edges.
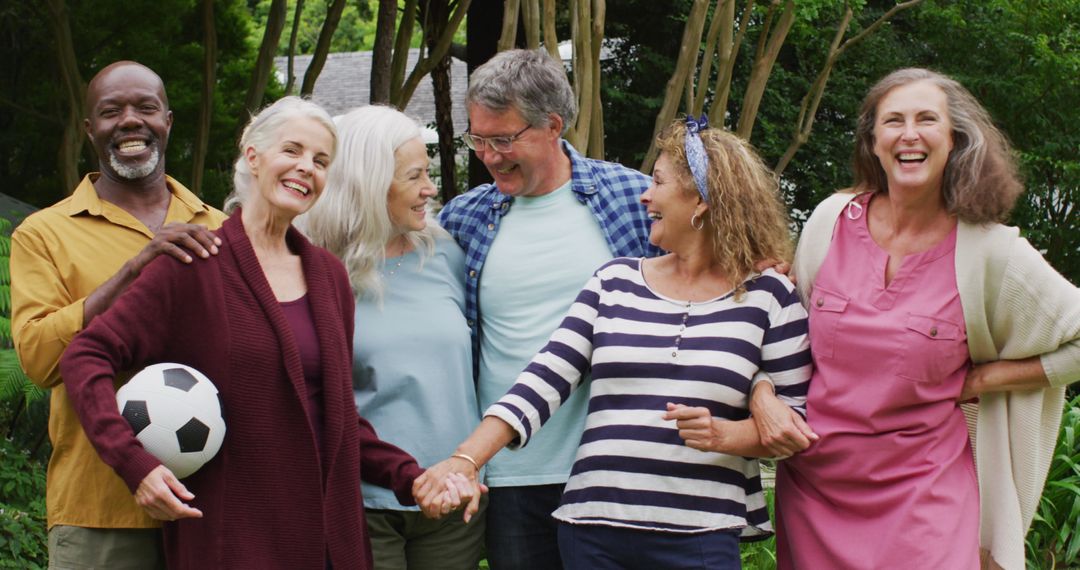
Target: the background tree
(322, 46)
(691, 81)
(206, 101)
(537, 19)
(264, 64)
(37, 103)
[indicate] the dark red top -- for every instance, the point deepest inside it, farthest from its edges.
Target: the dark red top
(302, 324)
(269, 498)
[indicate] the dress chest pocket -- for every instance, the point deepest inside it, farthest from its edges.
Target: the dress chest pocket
(826, 310)
(932, 348)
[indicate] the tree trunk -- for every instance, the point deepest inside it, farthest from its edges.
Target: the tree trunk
(810, 102)
(551, 41)
(260, 75)
(720, 21)
(581, 32)
(206, 103)
(74, 92)
(729, 51)
(530, 16)
(322, 48)
(401, 49)
(438, 13)
(427, 63)
(382, 52)
(482, 39)
(290, 83)
(762, 69)
(508, 38)
(688, 52)
(595, 147)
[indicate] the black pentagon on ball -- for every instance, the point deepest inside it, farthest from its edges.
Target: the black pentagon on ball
(192, 436)
(180, 378)
(136, 414)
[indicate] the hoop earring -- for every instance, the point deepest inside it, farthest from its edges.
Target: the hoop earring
(700, 222)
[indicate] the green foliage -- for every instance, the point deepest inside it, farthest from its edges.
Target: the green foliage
(761, 555)
(22, 477)
(15, 387)
(355, 32)
(23, 539)
(32, 104)
(1054, 538)
(1021, 59)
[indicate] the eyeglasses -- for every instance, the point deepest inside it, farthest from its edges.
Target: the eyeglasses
(497, 144)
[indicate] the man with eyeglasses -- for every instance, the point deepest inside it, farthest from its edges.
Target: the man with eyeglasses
(532, 239)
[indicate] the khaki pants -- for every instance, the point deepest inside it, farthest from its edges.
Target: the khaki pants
(78, 548)
(403, 540)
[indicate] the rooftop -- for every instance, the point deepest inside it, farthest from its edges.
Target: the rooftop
(345, 83)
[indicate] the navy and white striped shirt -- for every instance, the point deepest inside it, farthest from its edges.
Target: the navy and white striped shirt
(644, 350)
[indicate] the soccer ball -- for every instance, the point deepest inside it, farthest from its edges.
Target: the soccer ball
(176, 413)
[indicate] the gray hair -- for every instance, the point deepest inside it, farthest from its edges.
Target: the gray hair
(351, 219)
(262, 131)
(981, 183)
(527, 80)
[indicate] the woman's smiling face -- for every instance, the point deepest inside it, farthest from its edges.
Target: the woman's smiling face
(913, 136)
(406, 201)
(291, 173)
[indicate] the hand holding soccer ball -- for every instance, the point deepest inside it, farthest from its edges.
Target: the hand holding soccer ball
(176, 414)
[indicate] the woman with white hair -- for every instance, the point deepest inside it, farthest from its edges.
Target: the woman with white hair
(412, 354)
(269, 320)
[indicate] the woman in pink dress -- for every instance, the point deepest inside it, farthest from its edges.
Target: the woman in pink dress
(919, 300)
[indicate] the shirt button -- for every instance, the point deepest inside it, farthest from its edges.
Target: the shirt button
(472, 273)
(933, 331)
(471, 322)
(491, 226)
(673, 353)
(820, 301)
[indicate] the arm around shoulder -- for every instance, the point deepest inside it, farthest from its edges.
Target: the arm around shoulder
(133, 332)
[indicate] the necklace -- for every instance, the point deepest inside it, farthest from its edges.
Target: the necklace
(399, 258)
(397, 265)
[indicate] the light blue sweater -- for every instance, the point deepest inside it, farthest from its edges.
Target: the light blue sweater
(412, 361)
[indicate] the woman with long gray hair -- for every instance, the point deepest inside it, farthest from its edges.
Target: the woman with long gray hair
(412, 353)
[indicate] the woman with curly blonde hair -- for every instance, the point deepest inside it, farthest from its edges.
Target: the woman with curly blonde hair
(664, 475)
(920, 300)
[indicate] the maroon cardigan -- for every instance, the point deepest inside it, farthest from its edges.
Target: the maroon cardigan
(269, 498)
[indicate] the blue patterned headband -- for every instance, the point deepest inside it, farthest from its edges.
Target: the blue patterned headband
(695, 154)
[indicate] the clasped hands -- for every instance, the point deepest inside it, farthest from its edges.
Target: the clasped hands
(447, 486)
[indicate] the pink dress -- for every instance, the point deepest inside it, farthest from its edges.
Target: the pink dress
(891, 483)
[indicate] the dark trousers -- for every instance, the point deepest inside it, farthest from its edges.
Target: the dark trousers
(596, 547)
(521, 535)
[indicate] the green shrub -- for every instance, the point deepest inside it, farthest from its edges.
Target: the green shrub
(1054, 539)
(761, 555)
(23, 539)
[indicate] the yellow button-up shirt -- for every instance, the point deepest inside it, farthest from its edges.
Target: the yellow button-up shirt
(58, 257)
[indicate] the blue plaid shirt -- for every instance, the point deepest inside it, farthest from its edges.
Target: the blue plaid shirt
(610, 190)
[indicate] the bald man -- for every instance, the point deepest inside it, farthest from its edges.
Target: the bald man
(69, 262)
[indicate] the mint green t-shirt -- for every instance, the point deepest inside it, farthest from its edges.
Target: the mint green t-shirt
(546, 248)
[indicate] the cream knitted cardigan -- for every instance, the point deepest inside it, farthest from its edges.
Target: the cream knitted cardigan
(1015, 306)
